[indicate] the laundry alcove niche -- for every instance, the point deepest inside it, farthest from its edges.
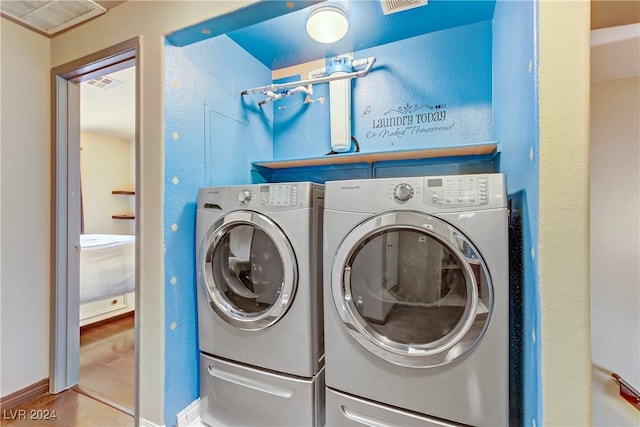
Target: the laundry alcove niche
(450, 75)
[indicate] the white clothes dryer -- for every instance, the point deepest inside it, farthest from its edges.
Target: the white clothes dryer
(259, 274)
(416, 301)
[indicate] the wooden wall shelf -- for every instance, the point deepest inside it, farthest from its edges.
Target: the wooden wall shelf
(472, 158)
(123, 216)
(123, 193)
(343, 159)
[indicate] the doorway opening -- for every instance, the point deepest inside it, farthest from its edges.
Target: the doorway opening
(94, 246)
(107, 238)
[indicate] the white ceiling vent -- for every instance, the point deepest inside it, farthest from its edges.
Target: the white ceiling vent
(51, 16)
(395, 6)
(105, 83)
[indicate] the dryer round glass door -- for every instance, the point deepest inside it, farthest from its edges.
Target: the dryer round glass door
(412, 289)
(248, 270)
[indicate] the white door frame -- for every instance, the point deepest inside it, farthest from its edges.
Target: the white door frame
(65, 207)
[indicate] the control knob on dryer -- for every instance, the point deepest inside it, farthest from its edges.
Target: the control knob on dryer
(244, 196)
(403, 192)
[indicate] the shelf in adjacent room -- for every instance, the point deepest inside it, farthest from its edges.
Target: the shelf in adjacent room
(123, 193)
(462, 151)
(123, 216)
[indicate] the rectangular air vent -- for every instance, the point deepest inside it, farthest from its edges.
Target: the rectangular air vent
(50, 17)
(395, 6)
(105, 83)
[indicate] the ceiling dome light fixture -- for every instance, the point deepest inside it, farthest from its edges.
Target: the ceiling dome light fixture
(327, 23)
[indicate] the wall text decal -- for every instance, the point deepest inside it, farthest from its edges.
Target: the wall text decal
(408, 119)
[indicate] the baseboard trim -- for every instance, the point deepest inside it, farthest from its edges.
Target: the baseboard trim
(24, 396)
(147, 423)
(103, 322)
(190, 415)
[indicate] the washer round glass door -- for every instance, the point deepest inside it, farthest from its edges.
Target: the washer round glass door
(248, 270)
(411, 289)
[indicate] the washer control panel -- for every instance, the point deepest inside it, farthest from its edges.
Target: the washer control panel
(279, 195)
(451, 191)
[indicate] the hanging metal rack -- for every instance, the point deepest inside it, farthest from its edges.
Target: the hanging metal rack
(271, 91)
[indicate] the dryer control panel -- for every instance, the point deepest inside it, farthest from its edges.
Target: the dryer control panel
(456, 191)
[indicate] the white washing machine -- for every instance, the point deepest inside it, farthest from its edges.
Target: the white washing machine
(416, 301)
(260, 323)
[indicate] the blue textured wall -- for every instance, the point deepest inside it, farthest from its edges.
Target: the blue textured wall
(211, 137)
(483, 75)
(432, 90)
(515, 115)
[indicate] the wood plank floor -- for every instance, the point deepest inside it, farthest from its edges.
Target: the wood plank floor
(105, 395)
(66, 409)
(107, 362)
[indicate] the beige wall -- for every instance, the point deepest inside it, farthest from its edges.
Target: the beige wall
(564, 213)
(149, 20)
(106, 165)
(25, 231)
